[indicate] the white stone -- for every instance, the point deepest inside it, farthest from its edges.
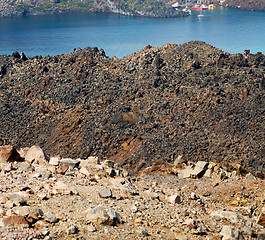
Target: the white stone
(180, 159)
(61, 187)
(91, 228)
(22, 211)
(174, 199)
(92, 159)
(36, 154)
(54, 161)
(84, 171)
(208, 173)
(232, 217)
(186, 173)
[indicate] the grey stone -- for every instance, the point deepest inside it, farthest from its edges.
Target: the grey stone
(151, 194)
(25, 167)
(233, 217)
(105, 193)
(261, 235)
(131, 188)
(50, 218)
(70, 162)
(45, 174)
(247, 230)
(17, 200)
(249, 176)
(72, 229)
(114, 216)
(142, 231)
(231, 233)
(98, 215)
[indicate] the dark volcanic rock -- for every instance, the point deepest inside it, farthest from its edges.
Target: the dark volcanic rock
(254, 5)
(156, 104)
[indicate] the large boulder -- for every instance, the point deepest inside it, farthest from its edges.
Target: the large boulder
(35, 154)
(8, 154)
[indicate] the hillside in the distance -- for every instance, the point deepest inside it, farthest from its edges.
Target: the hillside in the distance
(148, 8)
(255, 5)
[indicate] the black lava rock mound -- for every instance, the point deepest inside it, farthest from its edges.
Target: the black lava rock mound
(158, 103)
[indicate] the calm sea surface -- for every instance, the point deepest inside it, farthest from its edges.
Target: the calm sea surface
(228, 29)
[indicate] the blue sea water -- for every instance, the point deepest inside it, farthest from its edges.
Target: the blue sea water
(228, 29)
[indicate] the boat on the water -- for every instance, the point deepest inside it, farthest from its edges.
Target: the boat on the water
(183, 8)
(211, 6)
(199, 6)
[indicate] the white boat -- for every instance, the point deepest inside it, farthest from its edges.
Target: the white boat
(184, 8)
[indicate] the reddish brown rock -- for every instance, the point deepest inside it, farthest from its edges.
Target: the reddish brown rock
(62, 169)
(15, 221)
(8, 154)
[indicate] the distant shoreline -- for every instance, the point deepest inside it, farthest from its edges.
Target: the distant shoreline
(76, 11)
(151, 9)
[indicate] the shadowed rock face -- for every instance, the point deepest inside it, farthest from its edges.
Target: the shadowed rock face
(190, 99)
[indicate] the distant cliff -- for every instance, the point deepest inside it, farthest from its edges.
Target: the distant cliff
(250, 5)
(147, 8)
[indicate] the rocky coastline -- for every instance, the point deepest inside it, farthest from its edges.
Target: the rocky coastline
(11, 8)
(255, 5)
(156, 9)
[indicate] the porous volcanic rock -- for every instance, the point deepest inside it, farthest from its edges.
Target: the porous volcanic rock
(153, 105)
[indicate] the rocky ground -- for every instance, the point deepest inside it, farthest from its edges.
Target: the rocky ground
(45, 197)
(148, 107)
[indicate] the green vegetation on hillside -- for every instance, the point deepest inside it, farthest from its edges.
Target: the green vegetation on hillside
(66, 4)
(148, 8)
